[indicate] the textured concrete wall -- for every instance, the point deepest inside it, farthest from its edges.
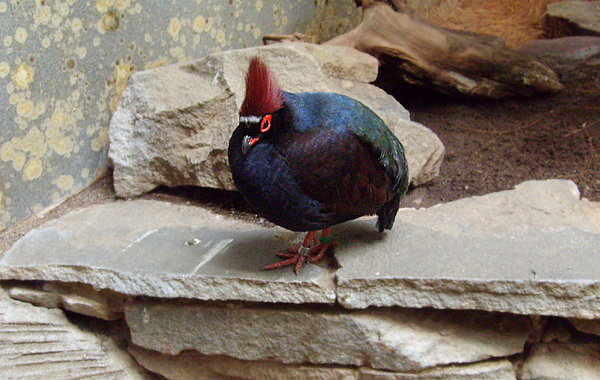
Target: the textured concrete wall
(64, 65)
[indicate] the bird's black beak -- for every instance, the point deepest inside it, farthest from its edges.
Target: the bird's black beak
(247, 142)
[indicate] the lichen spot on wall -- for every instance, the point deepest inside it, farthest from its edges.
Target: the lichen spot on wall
(198, 25)
(123, 71)
(110, 21)
(21, 35)
(102, 6)
(174, 28)
(33, 169)
(64, 183)
(23, 76)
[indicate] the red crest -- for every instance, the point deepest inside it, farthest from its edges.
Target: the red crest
(263, 95)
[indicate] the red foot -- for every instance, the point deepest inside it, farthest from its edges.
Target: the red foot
(299, 256)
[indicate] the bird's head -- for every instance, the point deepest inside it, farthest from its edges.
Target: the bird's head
(263, 98)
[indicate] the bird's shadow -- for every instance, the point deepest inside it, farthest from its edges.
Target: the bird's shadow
(357, 232)
(248, 251)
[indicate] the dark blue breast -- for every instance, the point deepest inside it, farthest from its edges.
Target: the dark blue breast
(263, 177)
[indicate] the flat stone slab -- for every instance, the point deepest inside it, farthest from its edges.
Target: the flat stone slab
(531, 250)
(164, 250)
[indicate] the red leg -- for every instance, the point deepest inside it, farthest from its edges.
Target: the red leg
(294, 251)
(300, 255)
(325, 242)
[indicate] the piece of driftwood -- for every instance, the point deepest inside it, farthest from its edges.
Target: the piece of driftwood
(451, 61)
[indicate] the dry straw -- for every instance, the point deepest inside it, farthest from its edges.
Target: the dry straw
(515, 21)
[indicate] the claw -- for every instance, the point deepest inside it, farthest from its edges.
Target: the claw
(304, 253)
(286, 255)
(299, 263)
(280, 264)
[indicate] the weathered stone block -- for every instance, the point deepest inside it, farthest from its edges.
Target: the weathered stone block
(395, 339)
(79, 298)
(531, 250)
(563, 361)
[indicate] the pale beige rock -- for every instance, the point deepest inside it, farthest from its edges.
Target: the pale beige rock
(392, 339)
(84, 299)
(191, 365)
(35, 296)
(78, 298)
(173, 123)
(592, 212)
(40, 343)
(563, 361)
(344, 62)
(531, 250)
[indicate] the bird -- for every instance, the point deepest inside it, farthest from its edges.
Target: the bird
(311, 160)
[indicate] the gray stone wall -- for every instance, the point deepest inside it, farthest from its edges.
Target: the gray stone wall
(65, 64)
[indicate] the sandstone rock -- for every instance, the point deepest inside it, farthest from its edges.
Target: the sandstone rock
(78, 298)
(563, 361)
(573, 18)
(173, 124)
(344, 62)
(531, 250)
(394, 339)
(35, 296)
(160, 249)
(191, 365)
(39, 343)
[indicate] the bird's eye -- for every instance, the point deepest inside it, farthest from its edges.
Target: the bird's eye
(265, 123)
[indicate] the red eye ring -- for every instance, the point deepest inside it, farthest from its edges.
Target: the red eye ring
(265, 120)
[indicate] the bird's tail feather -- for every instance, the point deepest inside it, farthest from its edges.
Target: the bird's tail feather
(387, 213)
